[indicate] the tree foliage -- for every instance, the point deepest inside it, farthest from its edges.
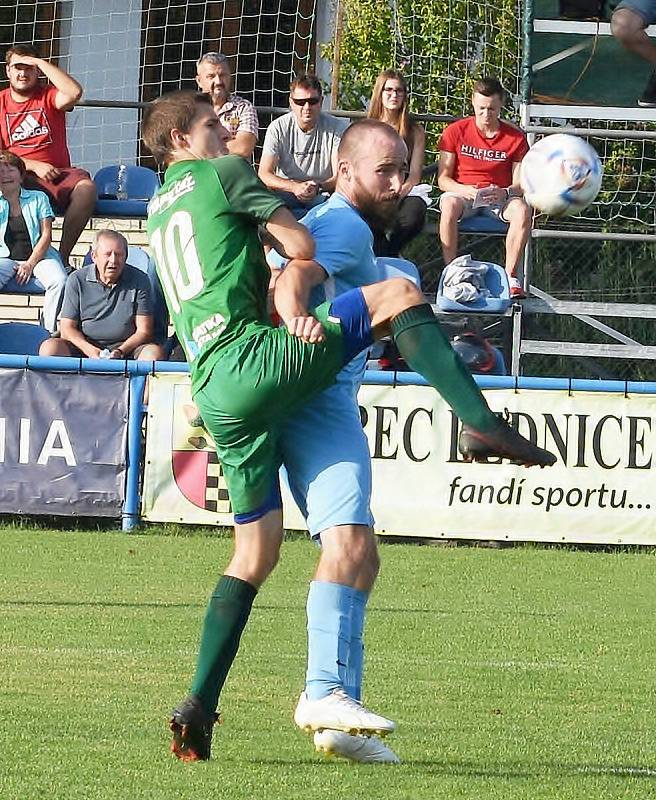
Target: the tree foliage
(441, 46)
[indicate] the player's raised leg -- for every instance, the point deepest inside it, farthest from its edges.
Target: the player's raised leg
(372, 156)
(397, 307)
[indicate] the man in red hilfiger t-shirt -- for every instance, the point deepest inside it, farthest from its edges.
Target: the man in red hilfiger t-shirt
(479, 174)
(33, 126)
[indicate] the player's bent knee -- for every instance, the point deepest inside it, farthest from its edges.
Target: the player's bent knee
(350, 544)
(625, 25)
(373, 562)
(408, 293)
(387, 299)
(254, 565)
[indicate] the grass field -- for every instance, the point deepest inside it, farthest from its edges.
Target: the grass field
(521, 673)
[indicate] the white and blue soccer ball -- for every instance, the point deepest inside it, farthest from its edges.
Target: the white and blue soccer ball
(560, 175)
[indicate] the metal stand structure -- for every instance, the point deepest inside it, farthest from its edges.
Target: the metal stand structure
(532, 114)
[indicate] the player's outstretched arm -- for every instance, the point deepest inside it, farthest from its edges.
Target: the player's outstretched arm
(292, 240)
(292, 291)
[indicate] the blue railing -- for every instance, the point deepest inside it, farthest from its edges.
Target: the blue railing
(137, 371)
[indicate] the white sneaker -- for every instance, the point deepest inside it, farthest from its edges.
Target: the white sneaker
(339, 712)
(365, 749)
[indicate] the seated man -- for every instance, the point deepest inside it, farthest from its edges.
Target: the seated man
(483, 152)
(299, 157)
(236, 114)
(33, 127)
(628, 24)
(107, 310)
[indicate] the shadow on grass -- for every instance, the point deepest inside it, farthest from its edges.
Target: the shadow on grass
(269, 608)
(474, 769)
(95, 604)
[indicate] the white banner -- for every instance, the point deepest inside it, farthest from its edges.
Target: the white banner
(599, 491)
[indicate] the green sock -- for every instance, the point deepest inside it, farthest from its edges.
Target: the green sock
(225, 619)
(426, 349)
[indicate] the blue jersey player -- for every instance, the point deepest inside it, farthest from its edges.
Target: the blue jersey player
(328, 467)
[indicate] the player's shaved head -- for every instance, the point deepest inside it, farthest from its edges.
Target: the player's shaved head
(372, 164)
(358, 138)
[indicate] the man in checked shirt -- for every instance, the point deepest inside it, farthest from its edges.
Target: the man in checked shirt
(236, 114)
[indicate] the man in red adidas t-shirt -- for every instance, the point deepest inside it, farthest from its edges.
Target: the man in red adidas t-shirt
(33, 126)
(483, 153)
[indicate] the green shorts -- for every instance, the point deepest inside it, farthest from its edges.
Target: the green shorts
(253, 388)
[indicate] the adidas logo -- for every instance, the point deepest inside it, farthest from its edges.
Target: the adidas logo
(28, 128)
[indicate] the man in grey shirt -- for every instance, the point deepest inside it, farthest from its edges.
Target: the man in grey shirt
(108, 309)
(299, 156)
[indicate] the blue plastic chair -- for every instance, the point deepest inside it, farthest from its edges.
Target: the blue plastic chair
(480, 223)
(496, 281)
(141, 184)
(21, 338)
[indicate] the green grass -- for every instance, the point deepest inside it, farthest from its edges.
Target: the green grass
(522, 673)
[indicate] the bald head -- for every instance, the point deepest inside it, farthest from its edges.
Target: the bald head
(364, 134)
(371, 167)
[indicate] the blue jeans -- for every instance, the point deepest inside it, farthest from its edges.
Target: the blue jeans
(298, 208)
(48, 274)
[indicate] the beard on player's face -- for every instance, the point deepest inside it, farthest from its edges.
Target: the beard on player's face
(379, 209)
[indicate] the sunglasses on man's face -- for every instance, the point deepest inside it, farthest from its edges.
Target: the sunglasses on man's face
(301, 101)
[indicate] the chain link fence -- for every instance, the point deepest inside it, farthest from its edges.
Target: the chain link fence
(567, 269)
(592, 271)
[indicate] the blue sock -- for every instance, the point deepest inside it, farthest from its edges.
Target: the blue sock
(355, 663)
(329, 633)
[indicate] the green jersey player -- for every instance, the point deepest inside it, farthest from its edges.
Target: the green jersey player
(248, 376)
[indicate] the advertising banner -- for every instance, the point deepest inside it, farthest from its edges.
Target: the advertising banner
(182, 475)
(62, 443)
(599, 491)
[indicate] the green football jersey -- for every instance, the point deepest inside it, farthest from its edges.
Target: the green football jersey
(202, 227)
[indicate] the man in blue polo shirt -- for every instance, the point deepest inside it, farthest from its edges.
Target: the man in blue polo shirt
(108, 309)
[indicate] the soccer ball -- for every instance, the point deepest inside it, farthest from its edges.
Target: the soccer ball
(560, 175)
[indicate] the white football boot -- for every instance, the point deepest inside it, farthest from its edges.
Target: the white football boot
(365, 749)
(339, 712)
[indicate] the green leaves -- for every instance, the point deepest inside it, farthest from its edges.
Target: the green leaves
(442, 46)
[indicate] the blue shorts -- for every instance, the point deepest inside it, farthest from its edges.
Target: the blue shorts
(644, 8)
(327, 461)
